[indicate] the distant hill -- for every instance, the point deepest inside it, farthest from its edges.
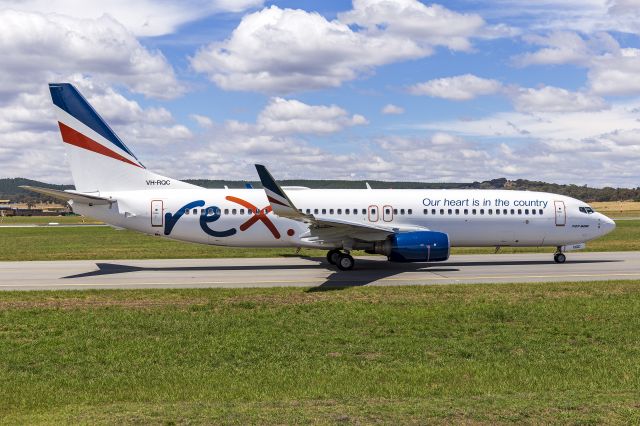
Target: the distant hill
(9, 188)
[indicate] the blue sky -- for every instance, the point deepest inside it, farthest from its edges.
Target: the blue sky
(369, 89)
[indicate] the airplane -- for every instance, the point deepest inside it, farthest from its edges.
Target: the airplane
(406, 225)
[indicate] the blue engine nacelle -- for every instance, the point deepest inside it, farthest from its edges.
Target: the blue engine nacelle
(417, 246)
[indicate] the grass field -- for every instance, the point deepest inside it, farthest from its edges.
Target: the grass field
(618, 209)
(40, 220)
(481, 354)
(52, 243)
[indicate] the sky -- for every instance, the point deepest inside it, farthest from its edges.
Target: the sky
(398, 90)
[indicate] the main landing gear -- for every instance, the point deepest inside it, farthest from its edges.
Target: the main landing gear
(559, 257)
(343, 261)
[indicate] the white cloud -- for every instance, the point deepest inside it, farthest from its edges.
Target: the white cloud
(612, 70)
(594, 147)
(203, 121)
(390, 109)
(585, 16)
(284, 50)
(287, 116)
(433, 25)
(48, 47)
(142, 17)
(566, 47)
(616, 74)
(555, 99)
(459, 88)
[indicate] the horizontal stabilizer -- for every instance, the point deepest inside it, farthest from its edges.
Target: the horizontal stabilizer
(69, 195)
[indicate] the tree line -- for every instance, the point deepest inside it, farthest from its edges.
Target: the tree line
(10, 190)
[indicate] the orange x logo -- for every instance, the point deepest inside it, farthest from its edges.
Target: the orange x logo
(261, 215)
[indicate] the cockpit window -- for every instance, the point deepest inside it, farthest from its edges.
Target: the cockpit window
(587, 210)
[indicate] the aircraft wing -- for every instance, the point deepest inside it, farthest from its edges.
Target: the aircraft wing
(70, 195)
(324, 229)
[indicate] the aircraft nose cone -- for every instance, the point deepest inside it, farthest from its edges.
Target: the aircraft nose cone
(607, 225)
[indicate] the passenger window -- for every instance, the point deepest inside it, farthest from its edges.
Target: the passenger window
(466, 211)
(315, 211)
(519, 211)
(186, 211)
(441, 211)
(387, 211)
(481, 211)
(330, 211)
(526, 211)
(490, 211)
(433, 211)
(395, 211)
(346, 211)
(364, 211)
(473, 211)
(540, 211)
(233, 211)
(195, 211)
(339, 211)
(513, 211)
(497, 211)
(308, 211)
(401, 211)
(226, 211)
(533, 211)
(457, 211)
(324, 211)
(242, 211)
(409, 211)
(218, 211)
(425, 211)
(210, 210)
(449, 211)
(505, 211)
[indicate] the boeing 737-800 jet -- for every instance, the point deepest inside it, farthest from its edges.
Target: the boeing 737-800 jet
(416, 225)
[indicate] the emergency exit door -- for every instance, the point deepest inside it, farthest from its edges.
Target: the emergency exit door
(157, 210)
(561, 214)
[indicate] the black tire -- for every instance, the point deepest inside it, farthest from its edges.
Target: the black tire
(345, 262)
(559, 258)
(332, 256)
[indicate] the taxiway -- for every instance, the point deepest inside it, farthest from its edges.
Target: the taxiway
(312, 272)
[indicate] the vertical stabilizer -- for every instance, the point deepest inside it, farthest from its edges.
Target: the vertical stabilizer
(99, 160)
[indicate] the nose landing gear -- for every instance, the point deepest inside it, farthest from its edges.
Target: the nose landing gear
(344, 261)
(559, 257)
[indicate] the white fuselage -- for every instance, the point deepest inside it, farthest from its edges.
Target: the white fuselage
(469, 217)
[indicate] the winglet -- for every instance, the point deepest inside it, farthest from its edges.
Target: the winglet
(280, 202)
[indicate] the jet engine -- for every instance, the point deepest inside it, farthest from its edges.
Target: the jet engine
(417, 246)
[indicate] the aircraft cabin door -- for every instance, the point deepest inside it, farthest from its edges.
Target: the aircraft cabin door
(373, 213)
(387, 213)
(561, 214)
(157, 213)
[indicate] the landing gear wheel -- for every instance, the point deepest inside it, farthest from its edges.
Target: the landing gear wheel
(345, 262)
(559, 257)
(332, 256)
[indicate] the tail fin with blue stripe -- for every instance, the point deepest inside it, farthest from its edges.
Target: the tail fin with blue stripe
(99, 160)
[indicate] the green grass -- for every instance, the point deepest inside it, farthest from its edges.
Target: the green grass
(39, 220)
(525, 353)
(106, 243)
